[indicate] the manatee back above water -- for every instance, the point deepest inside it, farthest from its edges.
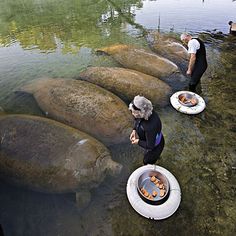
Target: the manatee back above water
(127, 83)
(85, 106)
(170, 48)
(48, 156)
(141, 60)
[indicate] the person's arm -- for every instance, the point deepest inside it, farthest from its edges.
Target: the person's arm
(133, 135)
(191, 63)
(193, 46)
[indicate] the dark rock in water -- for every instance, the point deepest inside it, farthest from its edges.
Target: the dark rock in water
(48, 156)
(127, 83)
(1, 110)
(85, 106)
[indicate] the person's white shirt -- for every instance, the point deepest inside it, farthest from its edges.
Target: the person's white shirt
(193, 46)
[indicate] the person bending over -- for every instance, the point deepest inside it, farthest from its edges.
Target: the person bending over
(147, 129)
(197, 62)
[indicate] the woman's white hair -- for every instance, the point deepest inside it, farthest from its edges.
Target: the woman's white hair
(183, 36)
(144, 105)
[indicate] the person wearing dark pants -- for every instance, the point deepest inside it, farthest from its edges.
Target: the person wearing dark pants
(147, 130)
(197, 62)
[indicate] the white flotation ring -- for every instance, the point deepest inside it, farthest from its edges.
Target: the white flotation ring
(199, 107)
(156, 212)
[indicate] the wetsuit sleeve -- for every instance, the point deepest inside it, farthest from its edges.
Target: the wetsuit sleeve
(149, 144)
(134, 125)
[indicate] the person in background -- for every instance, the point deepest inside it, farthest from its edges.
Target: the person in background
(197, 62)
(232, 28)
(147, 130)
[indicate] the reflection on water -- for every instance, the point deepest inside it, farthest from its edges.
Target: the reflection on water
(57, 39)
(65, 25)
(185, 15)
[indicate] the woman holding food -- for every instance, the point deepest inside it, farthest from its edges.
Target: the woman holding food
(147, 129)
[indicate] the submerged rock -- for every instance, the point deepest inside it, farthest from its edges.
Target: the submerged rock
(48, 156)
(127, 83)
(85, 106)
(141, 60)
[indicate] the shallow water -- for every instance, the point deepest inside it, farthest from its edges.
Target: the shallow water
(49, 38)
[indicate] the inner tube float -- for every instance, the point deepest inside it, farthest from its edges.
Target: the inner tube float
(144, 208)
(187, 102)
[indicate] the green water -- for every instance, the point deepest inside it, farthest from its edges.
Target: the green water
(49, 38)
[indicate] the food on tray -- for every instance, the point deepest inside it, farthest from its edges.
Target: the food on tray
(161, 185)
(154, 193)
(153, 178)
(162, 192)
(150, 191)
(150, 197)
(193, 101)
(183, 99)
(186, 100)
(144, 192)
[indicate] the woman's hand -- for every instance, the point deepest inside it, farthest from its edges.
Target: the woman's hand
(135, 141)
(189, 72)
(132, 136)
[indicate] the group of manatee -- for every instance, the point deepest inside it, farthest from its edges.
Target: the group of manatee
(66, 151)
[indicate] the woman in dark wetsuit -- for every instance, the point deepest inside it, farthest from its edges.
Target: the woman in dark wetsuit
(147, 129)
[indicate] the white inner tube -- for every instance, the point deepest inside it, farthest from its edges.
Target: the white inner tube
(156, 212)
(199, 107)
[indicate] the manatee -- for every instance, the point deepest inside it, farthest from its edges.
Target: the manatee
(141, 60)
(170, 48)
(48, 156)
(127, 83)
(1, 111)
(84, 106)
